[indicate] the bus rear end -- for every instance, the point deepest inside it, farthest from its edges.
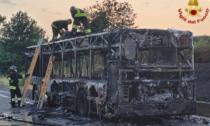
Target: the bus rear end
(156, 74)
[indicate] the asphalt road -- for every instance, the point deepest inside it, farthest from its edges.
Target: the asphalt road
(8, 115)
(73, 119)
(4, 98)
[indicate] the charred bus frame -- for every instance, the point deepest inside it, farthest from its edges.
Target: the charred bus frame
(126, 72)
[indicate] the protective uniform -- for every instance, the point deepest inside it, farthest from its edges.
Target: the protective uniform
(58, 26)
(79, 16)
(13, 85)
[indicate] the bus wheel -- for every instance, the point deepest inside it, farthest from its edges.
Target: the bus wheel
(51, 100)
(82, 103)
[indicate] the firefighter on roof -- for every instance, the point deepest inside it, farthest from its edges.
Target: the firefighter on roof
(58, 26)
(79, 17)
(13, 85)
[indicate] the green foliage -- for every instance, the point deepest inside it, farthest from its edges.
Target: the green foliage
(202, 49)
(3, 80)
(21, 31)
(2, 19)
(101, 21)
(110, 15)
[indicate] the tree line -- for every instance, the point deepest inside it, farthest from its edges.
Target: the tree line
(22, 30)
(15, 35)
(202, 49)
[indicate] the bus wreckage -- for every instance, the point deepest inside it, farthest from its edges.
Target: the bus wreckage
(122, 73)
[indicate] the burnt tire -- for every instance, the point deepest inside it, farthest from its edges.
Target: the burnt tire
(82, 103)
(50, 100)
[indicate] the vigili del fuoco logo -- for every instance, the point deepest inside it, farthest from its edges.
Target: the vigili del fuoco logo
(193, 13)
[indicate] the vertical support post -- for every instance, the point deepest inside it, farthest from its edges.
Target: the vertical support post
(90, 64)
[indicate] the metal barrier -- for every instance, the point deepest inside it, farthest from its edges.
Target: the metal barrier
(203, 108)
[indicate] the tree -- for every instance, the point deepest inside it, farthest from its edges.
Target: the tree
(21, 31)
(110, 15)
(2, 19)
(202, 48)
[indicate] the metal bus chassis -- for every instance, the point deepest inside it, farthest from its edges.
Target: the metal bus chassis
(144, 72)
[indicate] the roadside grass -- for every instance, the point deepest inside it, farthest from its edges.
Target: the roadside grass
(21, 82)
(3, 80)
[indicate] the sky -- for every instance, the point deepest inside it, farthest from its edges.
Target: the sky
(152, 14)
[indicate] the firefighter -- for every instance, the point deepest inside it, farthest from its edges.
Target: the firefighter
(58, 26)
(79, 17)
(14, 77)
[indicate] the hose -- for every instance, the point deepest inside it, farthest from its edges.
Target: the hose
(10, 118)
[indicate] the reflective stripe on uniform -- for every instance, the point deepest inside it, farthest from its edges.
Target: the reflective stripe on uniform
(61, 31)
(19, 99)
(78, 14)
(54, 26)
(88, 31)
(9, 79)
(74, 26)
(13, 99)
(55, 37)
(12, 87)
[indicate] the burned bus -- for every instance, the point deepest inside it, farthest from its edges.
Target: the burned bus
(121, 73)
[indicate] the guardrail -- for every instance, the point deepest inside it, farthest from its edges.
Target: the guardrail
(203, 108)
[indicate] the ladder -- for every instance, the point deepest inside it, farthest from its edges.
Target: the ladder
(45, 82)
(27, 84)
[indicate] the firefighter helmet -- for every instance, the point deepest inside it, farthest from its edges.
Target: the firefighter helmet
(72, 8)
(69, 21)
(13, 68)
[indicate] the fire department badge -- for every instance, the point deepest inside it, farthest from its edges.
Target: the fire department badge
(193, 8)
(193, 13)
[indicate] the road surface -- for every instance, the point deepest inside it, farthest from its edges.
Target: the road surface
(4, 98)
(21, 114)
